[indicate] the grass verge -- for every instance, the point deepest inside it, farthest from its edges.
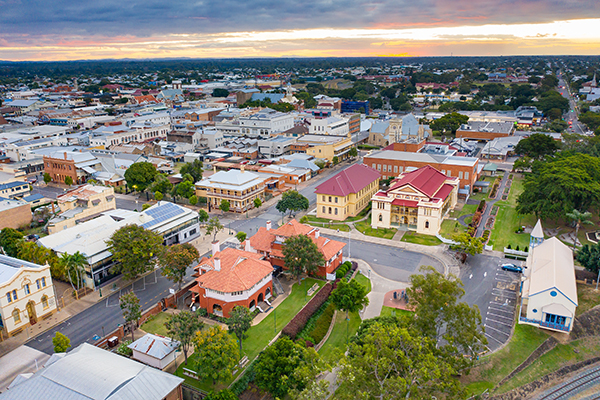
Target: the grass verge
(388, 311)
(587, 297)
(156, 324)
(419, 238)
(365, 228)
(337, 340)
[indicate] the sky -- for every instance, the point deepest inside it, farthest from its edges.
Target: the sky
(56, 30)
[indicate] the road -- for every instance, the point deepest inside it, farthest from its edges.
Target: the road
(571, 115)
(105, 316)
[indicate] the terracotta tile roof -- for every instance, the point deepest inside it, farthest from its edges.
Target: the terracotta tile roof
(328, 247)
(350, 180)
(426, 180)
(262, 239)
(240, 270)
(293, 228)
(145, 99)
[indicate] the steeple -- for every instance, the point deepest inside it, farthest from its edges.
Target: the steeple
(537, 235)
(594, 84)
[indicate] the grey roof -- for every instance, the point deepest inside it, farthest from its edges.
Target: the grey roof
(12, 185)
(300, 163)
(154, 346)
(274, 97)
(9, 266)
(88, 372)
(380, 127)
(421, 157)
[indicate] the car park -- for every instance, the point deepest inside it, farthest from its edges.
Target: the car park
(512, 268)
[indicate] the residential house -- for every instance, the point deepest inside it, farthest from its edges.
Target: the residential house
(230, 278)
(155, 351)
(418, 201)
(347, 193)
(270, 242)
(239, 187)
(26, 294)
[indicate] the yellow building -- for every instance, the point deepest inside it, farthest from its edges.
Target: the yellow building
(347, 193)
(327, 146)
(80, 204)
(238, 187)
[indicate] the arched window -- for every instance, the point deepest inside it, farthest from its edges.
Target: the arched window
(16, 315)
(380, 218)
(427, 224)
(45, 301)
(329, 210)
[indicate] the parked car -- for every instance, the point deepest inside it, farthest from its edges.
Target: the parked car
(512, 268)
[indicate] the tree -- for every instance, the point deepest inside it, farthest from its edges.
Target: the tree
(579, 218)
(161, 184)
(335, 160)
(394, 362)
(158, 196)
(203, 216)
(74, 266)
(301, 255)
(213, 227)
(47, 178)
(132, 311)
(349, 297)
(145, 206)
(239, 322)
(220, 92)
(175, 261)
(293, 201)
(186, 189)
(194, 169)
(61, 343)
(241, 236)
(183, 327)
(135, 249)
(68, 180)
(454, 327)
(257, 202)
(223, 394)
(468, 244)
(193, 200)
(449, 123)
(216, 352)
(353, 152)
(224, 206)
(537, 146)
(9, 240)
(286, 366)
(32, 252)
(140, 175)
(315, 390)
(589, 257)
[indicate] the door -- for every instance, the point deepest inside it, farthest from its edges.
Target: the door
(31, 312)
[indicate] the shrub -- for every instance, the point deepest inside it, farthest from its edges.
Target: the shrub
(322, 324)
(517, 248)
(526, 249)
(124, 350)
(508, 247)
(342, 270)
(481, 206)
(242, 383)
(202, 312)
(299, 321)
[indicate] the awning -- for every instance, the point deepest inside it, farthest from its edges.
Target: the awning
(405, 203)
(557, 309)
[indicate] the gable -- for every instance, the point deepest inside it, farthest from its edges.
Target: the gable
(407, 190)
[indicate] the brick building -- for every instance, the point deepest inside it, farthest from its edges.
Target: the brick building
(14, 213)
(79, 166)
(232, 278)
(391, 163)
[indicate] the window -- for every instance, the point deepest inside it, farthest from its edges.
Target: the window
(329, 210)
(45, 301)
(380, 218)
(44, 282)
(384, 168)
(16, 316)
(335, 211)
(336, 199)
(444, 171)
(426, 224)
(8, 298)
(460, 175)
(14, 292)
(323, 209)
(373, 165)
(330, 199)
(466, 175)
(323, 198)
(395, 168)
(26, 288)
(378, 167)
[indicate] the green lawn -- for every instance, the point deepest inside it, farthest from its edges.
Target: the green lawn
(365, 228)
(561, 355)
(587, 298)
(387, 311)
(337, 340)
(341, 227)
(450, 228)
(156, 324)
(507, 222)
(491, 369)
(419, 238)
(363, 280)
(468, 209)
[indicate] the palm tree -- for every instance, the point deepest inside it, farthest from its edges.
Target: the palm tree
(579, 218)
(74, 265)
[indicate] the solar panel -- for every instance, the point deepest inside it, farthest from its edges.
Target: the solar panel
(162, 213)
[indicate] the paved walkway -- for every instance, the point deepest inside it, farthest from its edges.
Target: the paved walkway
(490, 204)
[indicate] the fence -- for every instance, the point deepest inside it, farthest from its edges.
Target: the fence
(515, 253)
(444, 240)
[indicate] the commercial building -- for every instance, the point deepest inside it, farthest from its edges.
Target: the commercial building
(26, 294)
(80, 204)
(327, 146)
(335, 126)
(239, 187)
(391, 163)
(265, 122)
(355, 107)
(347, 193)
(76, 165)
(485, 130)
(549, 290)
(14, 189)
(500, 148)
(91, 373)
(14, 213)
(270, 242)
(417, 201)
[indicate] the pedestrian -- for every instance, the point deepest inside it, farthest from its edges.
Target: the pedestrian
(338, 230)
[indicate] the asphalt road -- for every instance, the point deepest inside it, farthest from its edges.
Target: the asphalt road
(105, 316)
(571, 115)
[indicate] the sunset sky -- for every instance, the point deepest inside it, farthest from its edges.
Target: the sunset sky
(68, 30)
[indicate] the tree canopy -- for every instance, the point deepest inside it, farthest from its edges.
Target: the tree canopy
(217, 353)
(135, 249)
(213, 227)
(589, 257)
(239, 322)
(183, 327)
(292, 201)
(9, 240)
(61, 343)
(301, 255)
(349, 296)
(193, 168)
(537, 146)
(176, 259)
(449, 123)
(140, 175)
(131, 308)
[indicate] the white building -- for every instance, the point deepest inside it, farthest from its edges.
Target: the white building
(26, 294)
(153, 350)
(265, 122)
(335, 126)
(549, 290)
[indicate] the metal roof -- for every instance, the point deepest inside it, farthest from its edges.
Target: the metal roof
(154, 346)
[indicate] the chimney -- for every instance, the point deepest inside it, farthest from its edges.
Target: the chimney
(217, 263)
(65, 153)
(214, 169)
(216, 247)
(317, 233)
(248, 246)
(269, 225)
(242, 168)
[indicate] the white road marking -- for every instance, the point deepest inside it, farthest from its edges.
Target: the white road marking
(499, 331)
(485, 274)
(490, 336)
(499, 322)
(499, 316)
(507, 311)
(470, 276)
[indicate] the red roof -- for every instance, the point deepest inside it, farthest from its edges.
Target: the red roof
(444, 191)
(405, 203)
(350, 180)
(427, 180)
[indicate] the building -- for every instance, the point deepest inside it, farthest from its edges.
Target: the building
(335, 126)
(355, 107)
(14, 213)
(500, 148)
(354, 124)
(391, 163)
(265, 122)
(347, 193)
(76, 165)
(482, 130)
(81, 204)
(275, 147)
(405, 130)
(155, 351)
(327, 146)
(270, 242)
(418, 200)
(230, 278)
(549, 290)
(26, 294)
(239, 187)
(14, 189)
(91, 373)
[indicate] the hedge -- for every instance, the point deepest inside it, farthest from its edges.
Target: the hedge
(299, 321)
(343, 270)
(322, 324)
(242, 383)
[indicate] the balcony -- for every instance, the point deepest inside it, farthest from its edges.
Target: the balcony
(556, 327)
(234, 197)
(404, 226)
